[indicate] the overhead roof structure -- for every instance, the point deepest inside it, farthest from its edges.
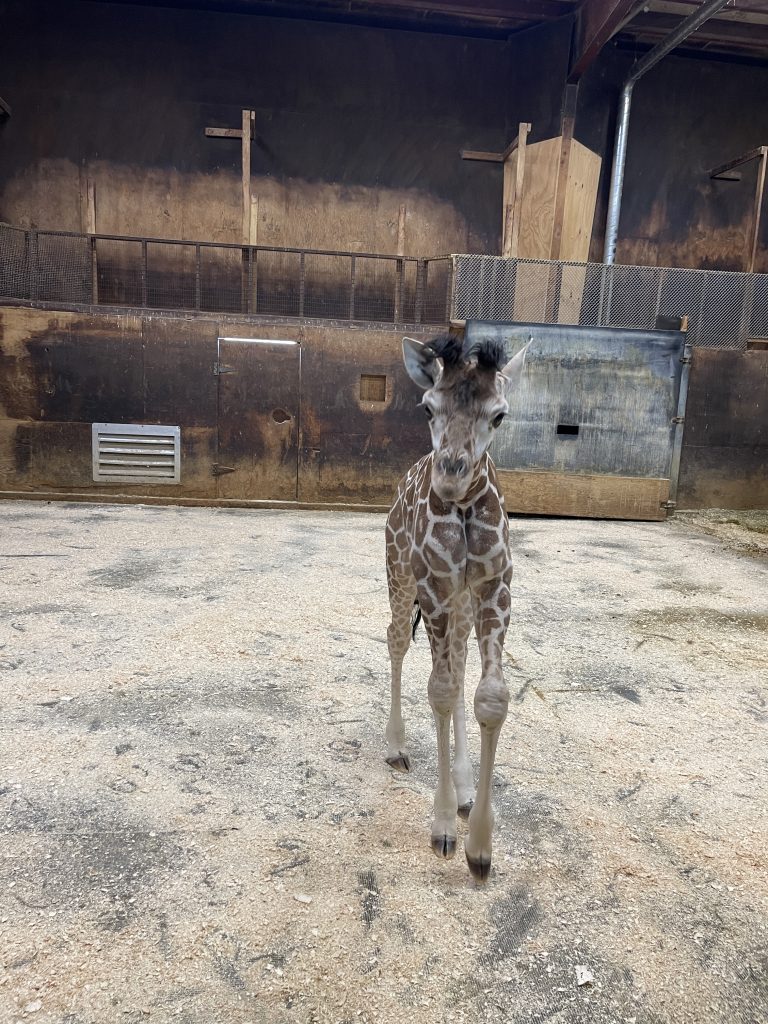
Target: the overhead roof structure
(740, 29)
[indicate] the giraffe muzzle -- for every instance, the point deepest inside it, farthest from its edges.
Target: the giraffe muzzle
(451, 477)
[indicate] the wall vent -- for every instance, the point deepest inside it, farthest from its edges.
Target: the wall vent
(136, 453)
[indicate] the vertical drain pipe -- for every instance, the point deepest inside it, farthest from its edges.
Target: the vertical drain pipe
(683, 30)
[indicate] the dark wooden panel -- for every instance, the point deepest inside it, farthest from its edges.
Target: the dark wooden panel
(724, 477)
(727, 399)
(67, 367)
(179, 383)
(259, 420)
(351, 449)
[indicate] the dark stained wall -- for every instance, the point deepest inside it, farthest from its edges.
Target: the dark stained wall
(351, 122)
(688, 116)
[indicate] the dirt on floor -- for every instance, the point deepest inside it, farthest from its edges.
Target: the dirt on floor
(198, 824)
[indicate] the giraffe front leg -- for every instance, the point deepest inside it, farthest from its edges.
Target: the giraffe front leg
(443, 693)
(491, 703)
(402, 591)
(463, 779)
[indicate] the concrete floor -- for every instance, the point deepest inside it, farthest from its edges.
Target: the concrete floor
(198, 825)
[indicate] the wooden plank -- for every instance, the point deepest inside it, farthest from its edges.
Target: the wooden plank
(538, 201)
(401, 230)
(224, 133)
(753, 154)
(759, 192)
(5, 110)
(591, 497)
(514, 179)
(479, 154)
(580, 201)
(248, 118)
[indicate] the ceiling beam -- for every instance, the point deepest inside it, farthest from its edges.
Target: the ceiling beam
(5, 110)
(597, 22)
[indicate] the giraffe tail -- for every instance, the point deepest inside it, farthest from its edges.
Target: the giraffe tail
(415, 619)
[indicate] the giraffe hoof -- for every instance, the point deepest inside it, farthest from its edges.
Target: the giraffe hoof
(480, 867)
(464, 809)
(401, 763)
(444, 846)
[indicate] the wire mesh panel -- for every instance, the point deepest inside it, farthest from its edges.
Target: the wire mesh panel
(436, 290)
(165, 274)
(62, 267)
(724, 309)
(278, 282)
(120, 272)
(15, 278)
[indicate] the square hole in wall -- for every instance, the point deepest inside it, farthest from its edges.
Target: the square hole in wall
(373, 387)
(567, 430)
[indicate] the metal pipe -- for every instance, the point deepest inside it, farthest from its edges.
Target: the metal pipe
(686, 28)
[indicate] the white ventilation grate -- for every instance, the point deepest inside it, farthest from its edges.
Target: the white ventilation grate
(136, 453)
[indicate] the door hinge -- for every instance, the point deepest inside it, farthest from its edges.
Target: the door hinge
(670, 506)
(685, 360)
(219, 368)
(678, 419)
(219, 470)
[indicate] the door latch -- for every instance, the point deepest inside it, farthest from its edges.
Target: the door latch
(219, 368)
(219, 470)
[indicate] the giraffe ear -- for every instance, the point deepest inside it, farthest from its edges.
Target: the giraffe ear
(422, 364)
(514, 368)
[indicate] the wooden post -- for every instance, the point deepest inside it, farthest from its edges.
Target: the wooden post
(90, 219)
(254, 267)
(514, 177)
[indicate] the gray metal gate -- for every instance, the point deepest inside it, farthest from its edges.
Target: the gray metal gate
(595, 427)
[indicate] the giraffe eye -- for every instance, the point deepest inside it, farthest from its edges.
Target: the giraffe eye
(428, 412)
(496, 421)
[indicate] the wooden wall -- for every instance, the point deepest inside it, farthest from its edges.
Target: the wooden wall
(62, 371)
(725, 451)
(689, 114)
(351, 124)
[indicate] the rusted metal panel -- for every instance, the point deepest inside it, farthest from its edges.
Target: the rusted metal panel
(592, 400)
(725, 451)
(178, 384)
(259, 418)
(353, 449)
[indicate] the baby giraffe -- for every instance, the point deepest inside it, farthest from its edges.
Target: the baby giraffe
(448, 550)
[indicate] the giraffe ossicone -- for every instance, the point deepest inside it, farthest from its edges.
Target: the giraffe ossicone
(447, 540)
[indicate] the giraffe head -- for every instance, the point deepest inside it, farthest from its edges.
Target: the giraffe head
(465, 400)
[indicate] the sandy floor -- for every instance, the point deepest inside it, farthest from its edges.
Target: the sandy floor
(198, 825)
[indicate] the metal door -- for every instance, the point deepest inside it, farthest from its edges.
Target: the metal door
(259, 386)
(595, 427)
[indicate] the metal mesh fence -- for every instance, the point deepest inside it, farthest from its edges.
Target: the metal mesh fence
(165, 274)
(724, 309)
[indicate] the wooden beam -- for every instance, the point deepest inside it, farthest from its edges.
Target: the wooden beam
(591, 496)
(401, 230)
(598, 21)
(479, 154)
(753, 154)
(513, 191)
(759, 193)
(5, 110)
(249, 117)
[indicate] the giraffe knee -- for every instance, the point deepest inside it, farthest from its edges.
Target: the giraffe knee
(443, 692)
(491, 702)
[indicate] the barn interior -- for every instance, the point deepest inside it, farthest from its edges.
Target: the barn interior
(218, 220)
(175, 176)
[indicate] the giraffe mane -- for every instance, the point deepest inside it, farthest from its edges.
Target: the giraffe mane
(488, 354)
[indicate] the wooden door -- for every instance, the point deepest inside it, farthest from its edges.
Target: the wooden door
(258, 439)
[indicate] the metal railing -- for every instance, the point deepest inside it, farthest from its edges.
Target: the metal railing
(724, 309)
(154, 273)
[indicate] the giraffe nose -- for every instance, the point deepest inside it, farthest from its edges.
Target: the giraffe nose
(453, 467)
